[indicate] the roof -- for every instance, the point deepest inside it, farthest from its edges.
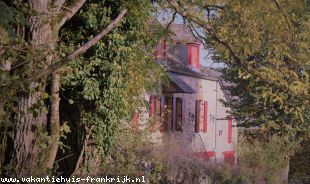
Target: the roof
(180, 86)
(182, 34)
(176, 66)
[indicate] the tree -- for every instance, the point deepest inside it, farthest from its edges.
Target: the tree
(265, 46)
(107, 84)
(34, 31)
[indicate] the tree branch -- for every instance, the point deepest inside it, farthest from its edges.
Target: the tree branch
(204, 24)
(185, 13)
(55, 66)
(214, 7)
(73, 8)
(58, 4)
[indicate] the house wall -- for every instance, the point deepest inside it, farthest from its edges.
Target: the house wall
(215, 140)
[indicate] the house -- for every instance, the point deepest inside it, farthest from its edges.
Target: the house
(188, 111)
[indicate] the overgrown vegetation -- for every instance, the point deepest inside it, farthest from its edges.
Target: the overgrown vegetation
(259, 161)
(58, 109)
(98, 90)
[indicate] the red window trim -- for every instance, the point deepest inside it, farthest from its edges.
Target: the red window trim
(190, 53)
(205, 117)
(198, 57)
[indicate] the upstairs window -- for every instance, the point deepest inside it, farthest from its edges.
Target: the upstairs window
(193, 55)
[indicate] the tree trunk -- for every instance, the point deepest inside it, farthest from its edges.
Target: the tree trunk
(54, 124)
(29, 123)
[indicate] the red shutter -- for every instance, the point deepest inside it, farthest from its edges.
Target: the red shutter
(152, 106)
(198, 57)
(183, 110)
(229, 130)
(193, 55)
(135, 120)
(197, 118)
(205, 116)
(194, 59)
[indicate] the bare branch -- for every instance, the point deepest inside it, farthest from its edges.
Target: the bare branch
(55, 66)
(171, 21)
(70, 11)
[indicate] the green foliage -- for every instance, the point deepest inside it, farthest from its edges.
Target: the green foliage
(10, 18)
(130, 152)
(265, 47)
(264, 160)
(259, 161)
(107, 84)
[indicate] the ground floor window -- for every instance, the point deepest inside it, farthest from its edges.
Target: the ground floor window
(168, 111)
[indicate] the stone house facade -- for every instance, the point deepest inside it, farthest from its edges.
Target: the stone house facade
(188, 111)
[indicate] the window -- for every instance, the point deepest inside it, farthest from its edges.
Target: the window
(195, 57)
(168, 112)
(179, 114)
(199, 117)
(171, 113)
